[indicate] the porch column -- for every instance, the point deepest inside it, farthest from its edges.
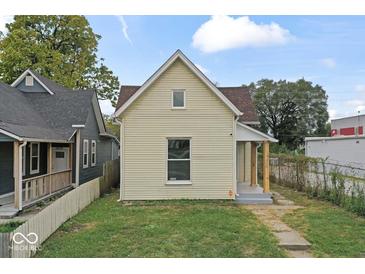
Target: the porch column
(49, 166)
(266, 163)
(253, 164)
(17, 174)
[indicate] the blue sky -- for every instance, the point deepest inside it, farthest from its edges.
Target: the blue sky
(327, 50)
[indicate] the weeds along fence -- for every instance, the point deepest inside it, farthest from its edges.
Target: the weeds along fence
(318, 178)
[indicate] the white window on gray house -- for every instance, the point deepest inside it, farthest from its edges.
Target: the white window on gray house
(23, 160)
(93, 153)
(34, 158)
(29, 81)
(85, 154)
(178, 98)
(178, 161)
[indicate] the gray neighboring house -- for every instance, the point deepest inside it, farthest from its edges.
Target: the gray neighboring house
(51, 138)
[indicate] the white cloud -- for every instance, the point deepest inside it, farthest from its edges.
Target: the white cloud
(332, 113)
(360, 88)
(124, 28)
(202, 69)
(355, 103)
(5, 19)
(328, 63)
(106, 107)
(360, 108)
(224, 32)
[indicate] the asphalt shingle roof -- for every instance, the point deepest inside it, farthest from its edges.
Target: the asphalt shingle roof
(239, 96)
(42, 115)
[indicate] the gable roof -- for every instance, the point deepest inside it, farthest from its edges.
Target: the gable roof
(239, 96)
(46, 116)
(35, 76)
(177, 55)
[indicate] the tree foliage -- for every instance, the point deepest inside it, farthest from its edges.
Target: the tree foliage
(290, 111)
(62, 48)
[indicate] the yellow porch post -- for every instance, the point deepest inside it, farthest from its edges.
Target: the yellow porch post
(266, 163)
(253, 164)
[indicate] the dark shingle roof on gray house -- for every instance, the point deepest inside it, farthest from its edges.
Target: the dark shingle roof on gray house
(41, 115)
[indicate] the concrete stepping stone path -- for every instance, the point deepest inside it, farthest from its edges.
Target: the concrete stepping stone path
(289, 239)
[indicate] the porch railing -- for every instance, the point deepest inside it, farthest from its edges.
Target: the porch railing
(41, 186)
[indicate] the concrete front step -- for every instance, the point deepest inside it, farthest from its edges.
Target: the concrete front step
(254, 201)
(254, 195)
(8, 212)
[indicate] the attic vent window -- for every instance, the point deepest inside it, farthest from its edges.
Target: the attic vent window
(29, 81)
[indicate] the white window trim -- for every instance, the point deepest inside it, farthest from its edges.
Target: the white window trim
(34, 171)
(172, 98)
(93, 152)
(85, 141)
(24, 153)
(178, 182)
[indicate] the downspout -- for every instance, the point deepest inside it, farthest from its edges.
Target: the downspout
(235, 155)
(20, 175)
(121, 130)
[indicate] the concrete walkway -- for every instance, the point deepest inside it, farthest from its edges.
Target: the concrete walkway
(289, 239)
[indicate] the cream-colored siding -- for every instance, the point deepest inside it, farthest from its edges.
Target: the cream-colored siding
(150, 120)
(243, 161)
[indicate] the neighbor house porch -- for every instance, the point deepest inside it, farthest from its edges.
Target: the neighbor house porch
(248, 191)
(32, 171)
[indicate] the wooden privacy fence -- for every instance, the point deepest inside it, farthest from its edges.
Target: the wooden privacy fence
(27, 238)
(110, 176)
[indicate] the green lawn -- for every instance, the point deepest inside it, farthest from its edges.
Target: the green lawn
(332, 231)
(162, 229)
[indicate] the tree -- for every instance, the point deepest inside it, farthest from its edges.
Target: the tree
(290, 111)
(62, 48)
(111, 127)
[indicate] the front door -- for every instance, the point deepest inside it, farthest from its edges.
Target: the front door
(60, 159)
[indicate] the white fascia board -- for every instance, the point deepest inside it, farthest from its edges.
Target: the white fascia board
(163, 68)
(25, 73)
(265, 136)
(47, 140)
(7, 133)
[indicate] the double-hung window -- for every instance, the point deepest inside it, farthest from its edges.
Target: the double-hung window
(178, 98)
(85, 154)
(34, 158)
(178, 160)
(93, 153)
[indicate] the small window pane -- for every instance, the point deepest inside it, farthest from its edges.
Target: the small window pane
(34, 163)
(60, 154)
(85, 159)
(35, 149)
(178, 98)
(179, 149)
(179, 170)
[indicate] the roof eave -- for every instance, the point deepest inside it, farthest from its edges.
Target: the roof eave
(163, 68)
